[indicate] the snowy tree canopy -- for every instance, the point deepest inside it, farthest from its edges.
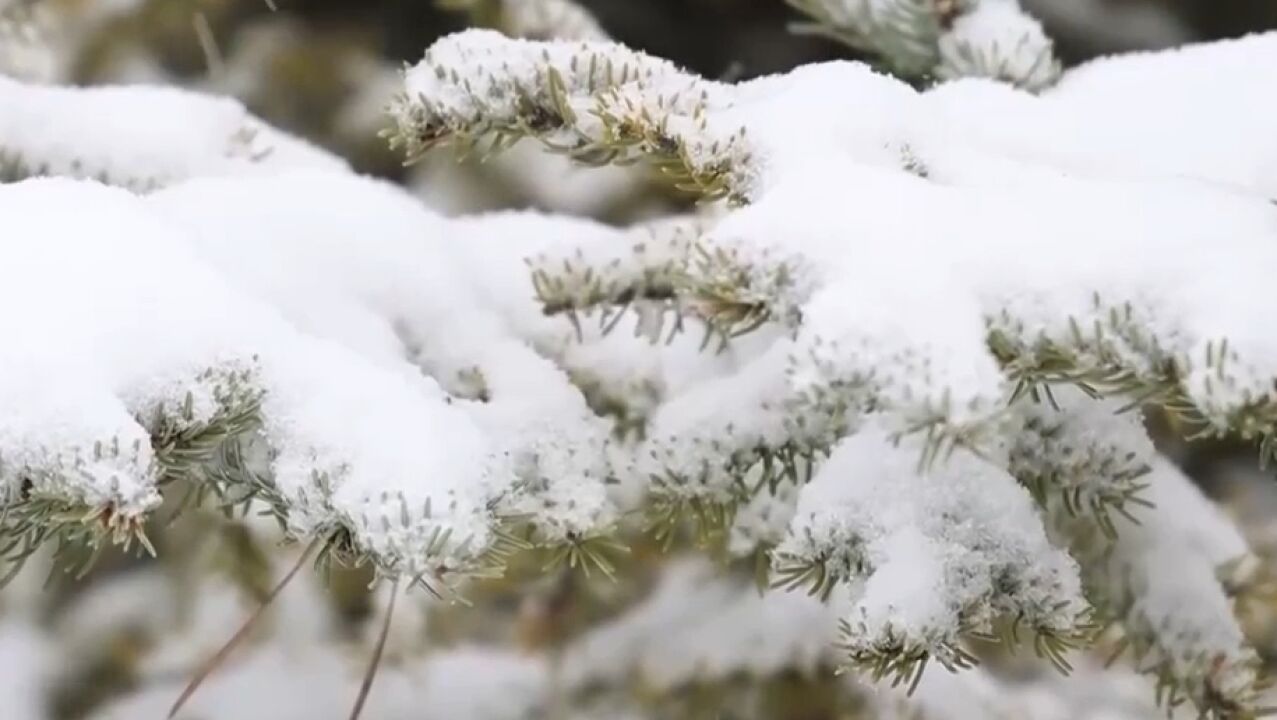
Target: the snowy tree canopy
(897, 357)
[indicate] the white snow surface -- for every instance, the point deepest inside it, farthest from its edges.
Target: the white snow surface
(468, 683)
(142, 137)
(698, 626)
(27, 658)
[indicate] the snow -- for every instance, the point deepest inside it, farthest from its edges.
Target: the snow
(218, 310)
(996, 39)
(464, 684)
(90, 355)
(26, 658)
(1089, 693)
(1130, 116)
(1161, 579)
(574, 96)
(414, 393)
(140, 137)
(992, 230)
(443, 83)
(1085, 450)
(930, 552)
(697, 626)
(527, 173)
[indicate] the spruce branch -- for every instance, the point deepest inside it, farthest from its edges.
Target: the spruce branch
(58, 498)
(1079, 455)
(940, 39)
(675, 279)
(1113, 351)
(532, 19)
(588, 554)
(79, 532)
(188, 447)
(904, 33)
(22, 42)
(988, 589)
(79, 500)
(1158, 584)
(597, 103)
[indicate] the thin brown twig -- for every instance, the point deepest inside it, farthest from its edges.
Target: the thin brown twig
(220, 656)
(371, 673)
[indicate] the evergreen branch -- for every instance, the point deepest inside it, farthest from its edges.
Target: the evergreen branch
(53, 502)
(21, 35)
(940, 39)
(904, 34)
(896, 658)
(627, 403)
(710, 520)
(821, 573)
(532, 19)
(1208, 683)
(78, 531)
(16, 166)
(197, 450)
(597, 103)
(669, 278)
(1080, 455)
(593, 553)
(1161, 590)
(1114, 353)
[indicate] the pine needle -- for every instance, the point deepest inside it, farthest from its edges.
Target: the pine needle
(220, 656)
(371, 673)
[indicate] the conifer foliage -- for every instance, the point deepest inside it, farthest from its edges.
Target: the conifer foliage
(877, 403)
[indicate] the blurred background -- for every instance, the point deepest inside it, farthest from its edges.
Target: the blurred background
(325, 70)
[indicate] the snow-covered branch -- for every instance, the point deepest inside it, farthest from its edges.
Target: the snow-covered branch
(931, 319)
(596, 102)
(941, 39)
(533, 19)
